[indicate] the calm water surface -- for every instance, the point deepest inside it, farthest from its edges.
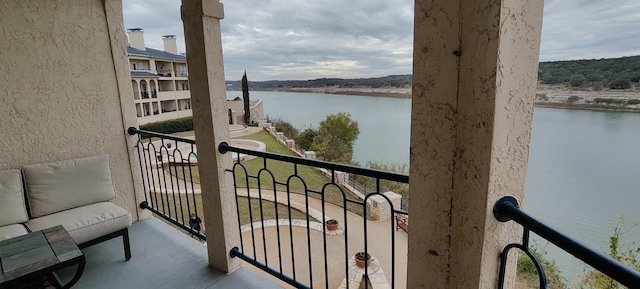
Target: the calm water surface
(584, 166)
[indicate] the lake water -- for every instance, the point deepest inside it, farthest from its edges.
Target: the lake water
(584, 166)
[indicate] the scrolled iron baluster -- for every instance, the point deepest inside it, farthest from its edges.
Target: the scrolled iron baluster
(503, 265)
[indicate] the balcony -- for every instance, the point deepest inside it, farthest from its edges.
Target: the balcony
(164, 73)
(292, 243)
(470, 132)
(162, 257)
(298, 249)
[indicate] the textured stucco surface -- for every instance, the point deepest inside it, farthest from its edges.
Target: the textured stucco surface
(475, 66)
(201, 21)
(60, 96)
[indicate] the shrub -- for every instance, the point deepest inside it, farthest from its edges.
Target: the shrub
(620, 84)
(594, 279)
(284, 126)
(385, 185)
(576, 82)
(604, 100)
(305, 138)
(528, 273)
(542, 97)
(170, 126)
(573, 99)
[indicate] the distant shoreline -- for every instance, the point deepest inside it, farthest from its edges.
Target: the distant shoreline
(586, 106)
(548, 96)
(374, 92)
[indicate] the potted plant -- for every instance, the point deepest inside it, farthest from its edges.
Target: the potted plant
(361, 258)
(331, 224)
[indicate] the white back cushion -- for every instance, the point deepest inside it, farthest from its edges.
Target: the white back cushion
(12, 207)
(58, 186)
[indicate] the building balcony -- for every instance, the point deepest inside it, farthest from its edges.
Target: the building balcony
(183, 94)
(164, 73)
(166, 95)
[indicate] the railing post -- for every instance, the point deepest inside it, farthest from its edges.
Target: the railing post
(201, 20)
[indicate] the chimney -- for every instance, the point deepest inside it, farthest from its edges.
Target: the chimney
(170, 43)
(136, 38)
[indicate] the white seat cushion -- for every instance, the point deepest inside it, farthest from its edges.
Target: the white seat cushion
(12, 207)
(10, 231)
(87, 222)
(58, 186)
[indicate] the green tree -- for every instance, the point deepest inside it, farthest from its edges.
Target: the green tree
(283, 126)
(305, 138)
(335, 138)
(245, 98)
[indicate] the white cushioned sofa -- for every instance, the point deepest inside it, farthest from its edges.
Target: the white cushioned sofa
(73, 193)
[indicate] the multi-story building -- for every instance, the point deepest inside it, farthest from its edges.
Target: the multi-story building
(159, 79)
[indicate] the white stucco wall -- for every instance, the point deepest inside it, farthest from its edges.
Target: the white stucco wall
(61, 97)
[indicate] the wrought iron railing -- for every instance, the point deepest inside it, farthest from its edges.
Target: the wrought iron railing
(305, 253)
(167, 167)
(507, 209)
(298, 249)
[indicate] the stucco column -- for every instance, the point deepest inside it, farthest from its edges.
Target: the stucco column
(474, 81)
(201, 20)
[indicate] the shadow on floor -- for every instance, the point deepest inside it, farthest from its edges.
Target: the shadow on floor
(162, 257)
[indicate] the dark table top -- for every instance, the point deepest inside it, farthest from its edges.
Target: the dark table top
(37, 252)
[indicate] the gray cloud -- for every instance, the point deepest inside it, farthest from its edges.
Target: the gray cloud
(289, 39)
(585, 29)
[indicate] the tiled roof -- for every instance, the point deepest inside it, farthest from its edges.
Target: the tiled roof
(143, 74)
(150, 52)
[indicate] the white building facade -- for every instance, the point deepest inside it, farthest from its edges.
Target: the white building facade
(159, 79)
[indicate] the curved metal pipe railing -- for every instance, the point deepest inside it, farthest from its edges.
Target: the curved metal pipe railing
(167, 169)
(507, 209)
(321, 257)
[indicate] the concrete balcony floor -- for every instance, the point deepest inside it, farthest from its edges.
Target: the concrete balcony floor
(162, 257)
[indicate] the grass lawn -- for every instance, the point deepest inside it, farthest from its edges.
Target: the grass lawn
(305, 176)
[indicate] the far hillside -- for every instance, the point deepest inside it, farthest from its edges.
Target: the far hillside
(399, 81)
(593, 74)
(612, 73)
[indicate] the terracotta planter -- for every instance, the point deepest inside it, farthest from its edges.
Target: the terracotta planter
(360, 259)
(332, 225)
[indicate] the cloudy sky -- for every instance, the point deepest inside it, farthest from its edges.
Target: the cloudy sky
(296, 39)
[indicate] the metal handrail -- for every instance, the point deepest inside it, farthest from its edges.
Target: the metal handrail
(163, 192)
(224, 147)
(507, 209)
(332, 168)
